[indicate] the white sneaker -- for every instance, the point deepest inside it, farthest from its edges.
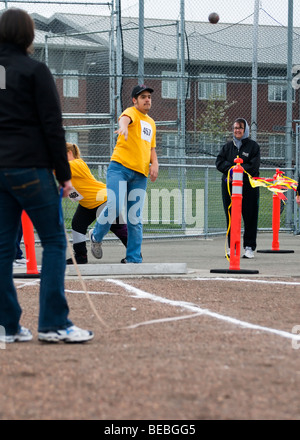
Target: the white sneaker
(248, 252)
(21, 261)
(23, 335)
(70, 334)
(96, 247)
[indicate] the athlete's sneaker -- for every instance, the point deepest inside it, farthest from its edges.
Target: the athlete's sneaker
(248, 253)
(96, 248)
(20, 262)
(23, 335)
(70, 334)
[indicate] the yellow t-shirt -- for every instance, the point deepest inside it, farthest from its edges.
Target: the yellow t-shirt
(135, 152)
(87, 190)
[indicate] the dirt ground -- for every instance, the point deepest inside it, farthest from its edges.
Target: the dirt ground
(164, 349)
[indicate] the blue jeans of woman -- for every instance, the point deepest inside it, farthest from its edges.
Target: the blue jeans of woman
(35, 191)
(125, 189)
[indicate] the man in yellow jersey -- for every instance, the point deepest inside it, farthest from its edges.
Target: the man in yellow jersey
(133, 159)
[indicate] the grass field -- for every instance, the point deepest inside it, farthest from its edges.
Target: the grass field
(167, 195)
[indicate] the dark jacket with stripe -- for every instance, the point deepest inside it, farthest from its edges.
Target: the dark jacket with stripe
(31, 131)
(249, 152)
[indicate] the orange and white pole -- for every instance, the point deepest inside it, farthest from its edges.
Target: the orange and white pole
(276, 222)
(236, 222)
(236, 215)
(276, 216)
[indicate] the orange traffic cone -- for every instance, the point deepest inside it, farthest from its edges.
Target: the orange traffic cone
(29, 242)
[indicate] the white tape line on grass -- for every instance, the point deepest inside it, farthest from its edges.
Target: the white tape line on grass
(193, 307)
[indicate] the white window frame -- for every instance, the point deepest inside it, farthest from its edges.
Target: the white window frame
(277, 89)
(169, 86)
(170, 141)
(212, 87)
(70, 84)
(276, 146)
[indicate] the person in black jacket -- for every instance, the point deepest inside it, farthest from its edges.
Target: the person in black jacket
(298, 193)
(248, 150)
(32, 146)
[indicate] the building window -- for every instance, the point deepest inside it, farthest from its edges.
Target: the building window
(72, 137)
(53, 71)
(169, 86)
(277, 89)
(276, 146)
(70, 84)
(169, 144)
(210, 144)
(212, 87)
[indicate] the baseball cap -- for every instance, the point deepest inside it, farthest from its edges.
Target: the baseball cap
(139, 89)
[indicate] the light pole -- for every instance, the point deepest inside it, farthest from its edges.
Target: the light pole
(254, 72)
(141, 42)
(289, 107)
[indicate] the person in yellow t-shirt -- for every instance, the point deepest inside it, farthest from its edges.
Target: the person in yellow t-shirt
(91, 196)
(133, 159)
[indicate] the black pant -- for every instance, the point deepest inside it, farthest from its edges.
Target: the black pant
(250, 203)
(82, 219)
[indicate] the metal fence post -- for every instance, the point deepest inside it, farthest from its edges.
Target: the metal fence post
(289, 107)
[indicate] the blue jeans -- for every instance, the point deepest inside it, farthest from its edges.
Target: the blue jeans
(35, 191)
(19, 252)
(125, 188)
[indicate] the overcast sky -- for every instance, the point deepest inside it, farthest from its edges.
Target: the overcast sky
(230, 11)
(272, 12)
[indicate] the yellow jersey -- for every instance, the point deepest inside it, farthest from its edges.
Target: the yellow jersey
(87, 190)
(135, 152)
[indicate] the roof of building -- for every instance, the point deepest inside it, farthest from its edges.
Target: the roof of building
(222, 43)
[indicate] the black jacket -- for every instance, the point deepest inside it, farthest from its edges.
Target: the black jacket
(249, 152)
(31, 131)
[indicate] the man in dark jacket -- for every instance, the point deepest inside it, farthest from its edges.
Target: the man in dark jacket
(32, 145)
(249, 151)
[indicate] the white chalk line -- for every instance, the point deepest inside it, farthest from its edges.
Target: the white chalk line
(154, 321)
(36, 282)
(91, 292)
(244, 280)
(157, 321)
(190, 306)
(21, 284)
(198, 310)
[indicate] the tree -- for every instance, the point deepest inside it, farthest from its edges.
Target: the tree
(214, 120)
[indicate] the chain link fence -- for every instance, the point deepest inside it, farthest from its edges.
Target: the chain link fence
(204, 76)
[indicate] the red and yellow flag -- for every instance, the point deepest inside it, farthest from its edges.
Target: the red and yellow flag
(277, 184)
